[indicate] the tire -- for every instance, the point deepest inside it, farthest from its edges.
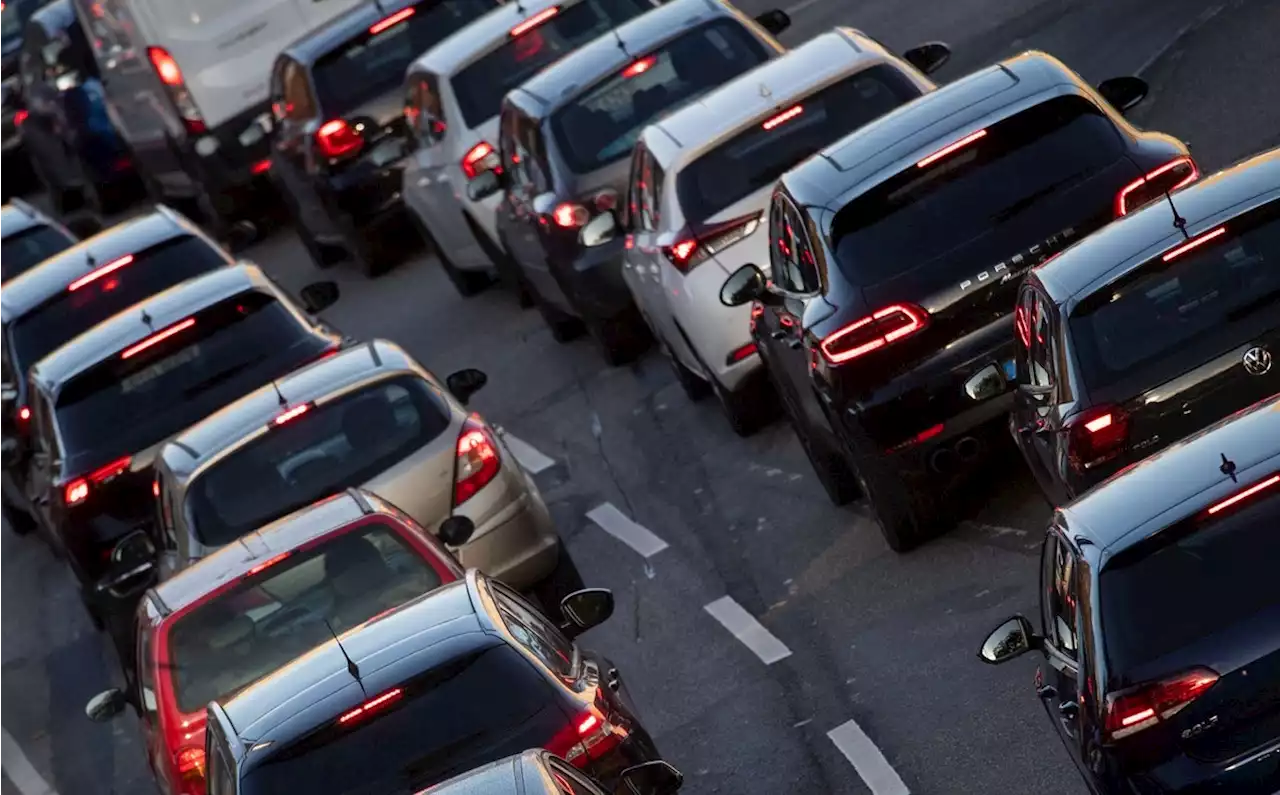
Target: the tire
(564, 327)
(837, 479)
(695, 386)
(509, 274)
(467, 283)
(370, 261)
(563, 580)
(903, 507)
(315, 249)
(621, 338)
(749, 408)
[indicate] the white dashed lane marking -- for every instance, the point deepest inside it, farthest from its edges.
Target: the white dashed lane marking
(872, 767)
(747, 629)
(530, 457)
(19, 769)
(615, 523)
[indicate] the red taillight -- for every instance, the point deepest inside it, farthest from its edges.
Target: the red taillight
(260, 167)
(740, 353)
(1194, 243)
(950, 148)
(24, 413)
(1241, 496)
(190, 763)
(783, 117)
(681, 253)
(690, 252)
(534, 21)
(171, 76)
(570, 215)
(1130, 711)
(155, 489)
(604, 200)
(477, 462)
(391, 21)
(166, 68)
(266, 564)
(77, 491)
(588, 737)
(97, 273)
(336, 139)
(371, 705)
(480, 158)
(20, 116)
(640, 67)
(1096, 435)
(158, 337)
(1177, 173)
(290, 414)
(875, 331)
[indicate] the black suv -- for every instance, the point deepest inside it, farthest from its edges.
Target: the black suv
(887, 320)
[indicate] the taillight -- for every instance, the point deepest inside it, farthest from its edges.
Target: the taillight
(885, 327)
(534, 21)
(391, 21)
(20, 116)
(372, 705)
(97, 273)
(157, 338)
(570, 215)
(171, 76)
(783, 117)
(290, 414)
(1096, 435)
(681, 254)
(166, 68)
(477, 462)
(691, 252)
(24, 413)
(1193, 243)
(740, 353)
(952, 148)
(1241, 496)
(190, 764)
(640, 67)
(480, 158)
(588, 737)
(336, 139)
(1130, 711)
(77, 491)
(1177, 173)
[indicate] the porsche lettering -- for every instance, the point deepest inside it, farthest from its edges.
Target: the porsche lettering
(1028, 258)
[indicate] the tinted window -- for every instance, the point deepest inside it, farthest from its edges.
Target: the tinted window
(375, 63)
(266, 620)
(1058, 573)
(15, 16)
(325, 450)
(602, 124)
(124, 405)
(30, 247)
(535, 633)
(925, 216)
(481, 86)
(71, 313)
(757, 157)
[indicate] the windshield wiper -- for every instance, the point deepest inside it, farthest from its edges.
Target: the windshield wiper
(1028, 201)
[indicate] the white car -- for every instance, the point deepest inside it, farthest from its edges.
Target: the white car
(454, 92)
(701, 179)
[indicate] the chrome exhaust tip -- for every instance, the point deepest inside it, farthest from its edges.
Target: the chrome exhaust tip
(968, 449)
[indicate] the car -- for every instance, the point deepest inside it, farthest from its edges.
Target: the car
(564, 139)
(18, 177)
(80, 159)
(29, 238)
(247, 610)
(68, 294)
(538, 772)
(338, 144)
(1152, 328)
(465, 675)
(886, 322)
(372, 417)
(453, 94)
(103, 404)
(701, 180)
(1158, 618)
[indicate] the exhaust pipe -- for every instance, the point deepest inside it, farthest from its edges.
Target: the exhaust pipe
(942, 461)
(968, 449)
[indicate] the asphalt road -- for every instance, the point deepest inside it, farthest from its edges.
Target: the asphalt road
(859, 634)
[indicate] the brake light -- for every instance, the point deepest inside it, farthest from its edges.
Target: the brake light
(950, 148)
(1096, 435)
(266, 564)
(681, 253)
(1177, 173)
(371, 705)
(1194, 243)
(336, 139)
(290, 414)
(1130, 711)
(534, 21)
(98, 273)
(477, 461)
(171, 76)
(260, 167)
(24, 413)
(77, 491)
(570, 215)
(640, 67)
(480, 158)
(875, 331)
(158, 337)
(166, 68)
(783, 117)
(1241, 496)
(191, 763)
(391, 21)
(691, 252)
(741, 352)
(588, 737)
(20, 116)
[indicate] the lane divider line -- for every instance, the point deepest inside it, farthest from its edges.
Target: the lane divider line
(615, 523)
(872, 767)
(529, 457)
(744, 626)
(19, 769)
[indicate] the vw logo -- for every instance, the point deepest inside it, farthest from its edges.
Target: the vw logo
(1257, 361)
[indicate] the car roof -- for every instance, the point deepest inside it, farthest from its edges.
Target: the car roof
(478, 38)
(56, 16)
(18, 216)
(320, 41)
(502, 777)
(223, 431)
(51, 277)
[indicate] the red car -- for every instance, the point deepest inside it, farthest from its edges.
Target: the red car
(253, 606)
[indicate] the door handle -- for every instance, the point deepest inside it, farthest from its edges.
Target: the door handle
(778, 335)
(795, 343)
(612, 680)
(1047, 692)
(1069, 710)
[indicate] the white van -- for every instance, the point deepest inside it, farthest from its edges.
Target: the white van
(186, 86)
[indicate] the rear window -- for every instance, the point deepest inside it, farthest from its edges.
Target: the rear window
(922, 215)
(322, 451)
(124, 405)
(375, 63)
(30, 247)
(756, 158)
(602, 124)
(264, 621)
(1196, 306)
(481, 86)
(47, 328)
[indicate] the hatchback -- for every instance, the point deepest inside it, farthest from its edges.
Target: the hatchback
(30, 237)
(537, 772)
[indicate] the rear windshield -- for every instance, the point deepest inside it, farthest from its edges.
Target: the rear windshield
(44, 330)
(923, 215)
(375, 63)
(125, 405)
(756, 158)
(1209, 578)
(602, 124)
(1209, 300)
(264, 621)
(327, 449)
(471, 706)
(30, 247)
(481, 86)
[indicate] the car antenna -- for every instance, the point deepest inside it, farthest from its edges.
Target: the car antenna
(1179, 222)
(352, 668)
(1228, 468)
(284, 401)
(519, 8)
(622, 45)
(146, 320)
(89, 261)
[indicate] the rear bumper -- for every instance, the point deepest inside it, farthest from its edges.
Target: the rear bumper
(518, 545)
(1254, 773)
(236, 171)
(715, 330)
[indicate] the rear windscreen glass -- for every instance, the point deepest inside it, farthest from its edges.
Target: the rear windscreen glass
(322, 451)
(1196, 306)
(481, 86)
(923, 215)
(45, 329)
(602, 124)
(374, 63)
(756, 158)
(25, 250)
(125, 405)
(266, 620)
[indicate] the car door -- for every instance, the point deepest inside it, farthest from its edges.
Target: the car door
(1057, 682)
(532, 208)
(1035, 405)
(44, 465)
(293, 159)
(639, 263)
(142, 671)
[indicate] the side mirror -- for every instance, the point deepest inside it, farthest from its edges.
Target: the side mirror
(319, 296)
(775, 20)
(928, 57)
(585, 609)
(1124, 92)
(652, 778)
(599, 230)
(456, 530)
(744, 285)
(465, 383)
(132, 564)
(84, 226)
(483, 186)
(1013, 638)
(106, 705)
(241, 234)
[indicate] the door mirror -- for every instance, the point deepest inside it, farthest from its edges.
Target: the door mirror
(744, 285)
(319, 296)
(1124, 92)
(84, 226)
(775, 21)
(465, 383)
(652, 778)
(599, 230)
(585, 609)
(456, 530)
(928, 57)
(241, 235)
(1013, 638)
(483, 186)
(132, 564)
(106, 705)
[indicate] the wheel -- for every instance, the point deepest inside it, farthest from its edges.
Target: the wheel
(317, 250)
(750, 407)
(509, 273)
(563, 580)
(695, 386)
(19, 521)
(370, 260)
(837, 479)
(564, 327)
(902, 504)
(620, 338)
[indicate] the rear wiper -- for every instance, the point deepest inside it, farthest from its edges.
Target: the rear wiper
(1254, 305)
(1028, 201)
